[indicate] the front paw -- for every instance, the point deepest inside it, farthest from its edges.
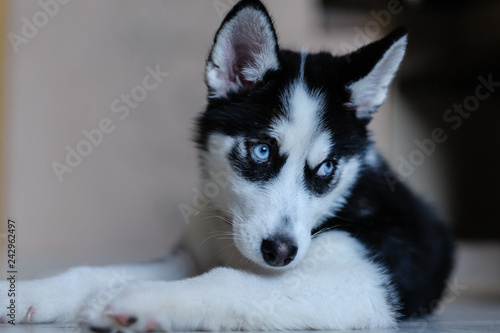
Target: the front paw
(139, 308)
(24, 303)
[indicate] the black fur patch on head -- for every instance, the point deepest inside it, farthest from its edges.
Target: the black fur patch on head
(251, 114)
(247, 113)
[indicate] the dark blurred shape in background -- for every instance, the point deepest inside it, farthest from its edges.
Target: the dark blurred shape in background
(451, 76)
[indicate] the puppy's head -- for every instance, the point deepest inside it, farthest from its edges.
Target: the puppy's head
(287, 130)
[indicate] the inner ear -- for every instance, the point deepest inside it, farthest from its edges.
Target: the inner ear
(370, 91)
(245, 48)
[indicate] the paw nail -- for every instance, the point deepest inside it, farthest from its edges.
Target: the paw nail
(125, 320)
(151, 326)
(108, 311)
(29, 315)
(131, 320)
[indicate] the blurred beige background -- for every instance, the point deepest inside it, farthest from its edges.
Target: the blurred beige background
(120, 203)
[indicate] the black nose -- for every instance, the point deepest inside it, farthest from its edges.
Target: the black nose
(278, 251)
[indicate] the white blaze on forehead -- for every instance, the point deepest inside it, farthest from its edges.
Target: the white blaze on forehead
(300, 134)
(320, 149)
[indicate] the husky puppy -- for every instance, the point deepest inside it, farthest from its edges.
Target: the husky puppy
(303, 230)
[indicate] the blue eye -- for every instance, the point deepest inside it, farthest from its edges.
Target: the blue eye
(260, 153)
(326, 169)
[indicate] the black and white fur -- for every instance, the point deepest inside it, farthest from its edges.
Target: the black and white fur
(304, 233)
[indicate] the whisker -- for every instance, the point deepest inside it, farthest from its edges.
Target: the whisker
(321, 231)
(223, 248)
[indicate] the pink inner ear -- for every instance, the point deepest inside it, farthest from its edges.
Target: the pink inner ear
(244, 51)
(229, 70)
(236, 58)
(243, 60)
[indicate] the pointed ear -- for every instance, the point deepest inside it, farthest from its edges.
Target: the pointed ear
(378, 63)
(245, 48)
